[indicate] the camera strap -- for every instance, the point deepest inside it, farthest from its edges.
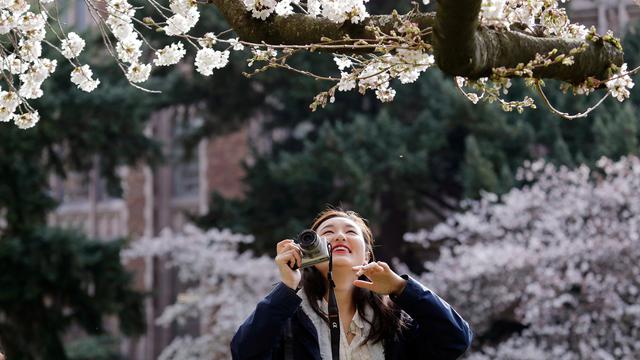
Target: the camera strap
(334, 317)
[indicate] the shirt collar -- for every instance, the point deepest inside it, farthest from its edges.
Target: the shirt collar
(357, 319)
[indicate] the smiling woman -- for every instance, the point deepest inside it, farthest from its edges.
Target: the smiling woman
(383, 315)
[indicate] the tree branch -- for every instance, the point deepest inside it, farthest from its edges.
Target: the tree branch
(462, 47)
(300, 29)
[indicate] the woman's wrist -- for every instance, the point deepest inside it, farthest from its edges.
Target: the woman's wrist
(399, 287)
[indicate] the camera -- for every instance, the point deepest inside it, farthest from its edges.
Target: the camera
(314, 248)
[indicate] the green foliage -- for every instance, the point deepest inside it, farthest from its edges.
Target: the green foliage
(383, 160)
(94, 348)
(478, 173)
(420, 154)
(51, 279)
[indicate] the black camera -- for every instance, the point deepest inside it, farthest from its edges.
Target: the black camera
(314, 248)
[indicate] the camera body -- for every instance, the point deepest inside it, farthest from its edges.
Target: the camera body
(314, 248)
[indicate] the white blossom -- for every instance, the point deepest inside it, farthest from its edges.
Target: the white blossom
(183, 7)
(557, 256)
(129, 49)
(27, 120)
(618, 87)
(208, 40)
(179, 24)
(284, 8)
(208, 59)
(343, 62)
(170, 54)
(82, 77)
(236, 44)
(347, 82)
(72, 45)
(138, 72)
(222, 286)
(260, 9)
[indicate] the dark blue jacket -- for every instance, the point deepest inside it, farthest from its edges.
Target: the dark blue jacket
(435, 330)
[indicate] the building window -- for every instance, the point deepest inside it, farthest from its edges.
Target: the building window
(185, 170)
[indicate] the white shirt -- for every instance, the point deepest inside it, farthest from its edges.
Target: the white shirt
(358, 349)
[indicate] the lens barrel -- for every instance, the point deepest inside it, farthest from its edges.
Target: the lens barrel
(308, 239)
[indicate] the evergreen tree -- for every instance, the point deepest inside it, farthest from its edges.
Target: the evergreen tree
(420, 154)
(478, 173)
(53, 279)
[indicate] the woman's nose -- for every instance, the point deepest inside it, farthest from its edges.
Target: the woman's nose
(340, 237)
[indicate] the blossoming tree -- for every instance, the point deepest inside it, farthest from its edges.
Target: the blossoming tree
(546, 271)
(225, 288)
(555, 262)
(483, 43)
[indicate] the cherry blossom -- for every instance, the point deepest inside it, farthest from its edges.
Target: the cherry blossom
(557, 257)
(375, 63)
(225, 286)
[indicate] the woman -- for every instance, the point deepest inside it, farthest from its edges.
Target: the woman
(383, 315)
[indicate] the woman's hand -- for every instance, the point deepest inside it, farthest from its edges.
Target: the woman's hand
(288, 254)
(383, 280)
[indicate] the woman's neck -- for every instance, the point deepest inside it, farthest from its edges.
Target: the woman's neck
(344, 291)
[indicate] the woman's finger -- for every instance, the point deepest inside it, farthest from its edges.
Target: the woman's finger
(384, 265)
(295, 248)
(288, 257)
(293, 259)
(363, 284)
(372, 268)
(280, 247)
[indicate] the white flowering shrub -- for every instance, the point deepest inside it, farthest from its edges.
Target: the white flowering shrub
(559, 257)
(223, 286)
(401, 52)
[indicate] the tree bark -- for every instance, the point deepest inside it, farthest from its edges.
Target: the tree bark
(300, 29)
(462, 47)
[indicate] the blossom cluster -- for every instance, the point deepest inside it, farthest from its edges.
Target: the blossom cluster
(336, 11)
(620, 84)
(223, 286)
(557, 257)
(25, 67)
(547, 14)
(409, 58)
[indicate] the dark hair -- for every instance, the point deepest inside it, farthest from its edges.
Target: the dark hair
(387, 319)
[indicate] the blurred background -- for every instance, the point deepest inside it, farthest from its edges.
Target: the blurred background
(140, 226)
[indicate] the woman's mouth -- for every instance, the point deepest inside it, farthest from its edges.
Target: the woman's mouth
(341, 249)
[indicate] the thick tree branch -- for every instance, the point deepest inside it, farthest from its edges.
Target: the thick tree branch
(462, 47)
(299, 29)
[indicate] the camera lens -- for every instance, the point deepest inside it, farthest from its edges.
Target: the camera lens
(308, 239)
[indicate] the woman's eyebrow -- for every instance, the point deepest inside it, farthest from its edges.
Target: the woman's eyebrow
(331, 226)
(326, 227)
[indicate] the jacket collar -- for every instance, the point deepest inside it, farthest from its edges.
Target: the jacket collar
(309, 339)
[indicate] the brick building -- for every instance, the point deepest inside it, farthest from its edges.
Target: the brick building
(156, 199)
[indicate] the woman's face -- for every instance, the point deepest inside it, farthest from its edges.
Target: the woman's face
(347, 243)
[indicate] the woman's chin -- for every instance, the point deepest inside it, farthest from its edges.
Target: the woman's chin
(343, 261)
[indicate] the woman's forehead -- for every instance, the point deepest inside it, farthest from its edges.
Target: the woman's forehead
(338, 221)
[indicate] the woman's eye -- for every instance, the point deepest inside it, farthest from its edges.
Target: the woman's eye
(351, 232)
(327, 232)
